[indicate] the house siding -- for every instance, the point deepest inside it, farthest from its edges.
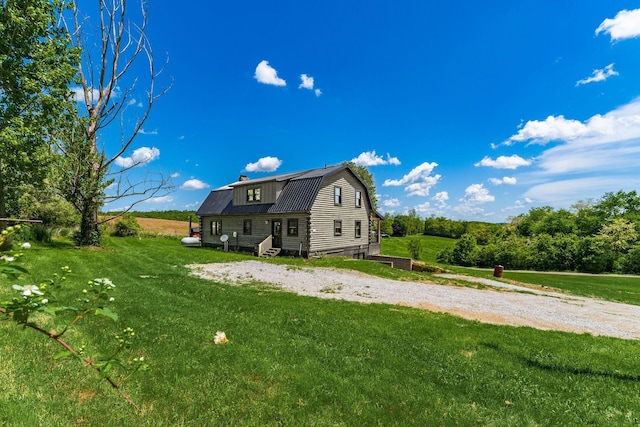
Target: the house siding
(324, 212)
(260, 230)
(268, 192)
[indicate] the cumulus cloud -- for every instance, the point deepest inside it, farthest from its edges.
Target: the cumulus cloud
(307, 82)
(148, 132)
(619, 124)
(441, 198)
(599, 75)
(370, 158)
(476, 194)
(268, 75)
(161, 199)
(625, 25)
(175, 174)
(193, 184)
(504, 162)
(391, 203)
(418, 182)
(507, 180)
(139, 157)
(78, 94)
(265, 164)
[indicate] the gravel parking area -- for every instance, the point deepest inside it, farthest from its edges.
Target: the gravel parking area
(501, 303)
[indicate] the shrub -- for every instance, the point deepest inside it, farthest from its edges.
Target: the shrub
(415, 248)
(126, 226)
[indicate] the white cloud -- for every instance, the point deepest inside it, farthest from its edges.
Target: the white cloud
(621, 123)
(175, 174)
(441, 198)
(418, 182)
(139, 157)
(599, 75)
(507, 180)
(268, 75)
(610, 144)
(370, 158)
(148, 132)
(551, 129)
(193, 184)
(504, 162)
(625, 25)
(476, 193)
(78, 94)
(307, 82)
(161, 199)
(265, 164)
(391, 203)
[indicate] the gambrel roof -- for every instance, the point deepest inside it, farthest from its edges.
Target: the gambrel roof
(298, 194)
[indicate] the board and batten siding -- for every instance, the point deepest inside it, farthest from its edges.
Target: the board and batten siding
(269, 190)
(324, 212)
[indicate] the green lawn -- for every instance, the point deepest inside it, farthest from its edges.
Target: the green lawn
(300, 361)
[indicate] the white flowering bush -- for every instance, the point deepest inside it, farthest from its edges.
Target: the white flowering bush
(30, 299)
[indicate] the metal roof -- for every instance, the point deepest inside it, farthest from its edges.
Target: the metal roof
(298, 194)
(216, 202)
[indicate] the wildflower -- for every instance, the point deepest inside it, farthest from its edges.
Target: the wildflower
(44, 300)
(112, 299)
(28, 290)
(26, 245)
(8, 258)
(220, 338)
(104, 281)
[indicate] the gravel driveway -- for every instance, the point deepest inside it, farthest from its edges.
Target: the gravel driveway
(500, 304)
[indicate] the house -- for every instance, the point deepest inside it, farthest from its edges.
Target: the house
(324, 211)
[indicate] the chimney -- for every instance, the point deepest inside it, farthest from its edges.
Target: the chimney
(243, 178)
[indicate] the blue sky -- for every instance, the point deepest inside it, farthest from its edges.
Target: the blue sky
(468, 110)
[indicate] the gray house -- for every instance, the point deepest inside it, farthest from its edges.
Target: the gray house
(313, 212)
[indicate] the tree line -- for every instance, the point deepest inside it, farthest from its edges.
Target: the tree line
(598, 236)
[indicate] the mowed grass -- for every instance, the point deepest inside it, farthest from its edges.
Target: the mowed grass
(299, 361)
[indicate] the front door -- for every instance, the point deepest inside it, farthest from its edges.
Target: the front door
(276, 232)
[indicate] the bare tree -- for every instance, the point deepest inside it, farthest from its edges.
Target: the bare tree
(114, 49)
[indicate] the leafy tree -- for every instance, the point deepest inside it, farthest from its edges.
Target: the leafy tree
(616, 238)
(36, 67)
(386, 225)
(108, 78)
(465, 251)
(630, 262)
(415, 224)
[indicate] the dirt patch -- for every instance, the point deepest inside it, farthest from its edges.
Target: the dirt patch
(165, 227)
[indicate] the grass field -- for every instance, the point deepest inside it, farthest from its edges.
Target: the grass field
(295, 360)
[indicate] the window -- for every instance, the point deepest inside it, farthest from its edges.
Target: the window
(292, 227)
(246, 226)
(216, 228)
(337, 227)
(358, 199)
(358, 228)
(337, 196)
(253, 194)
